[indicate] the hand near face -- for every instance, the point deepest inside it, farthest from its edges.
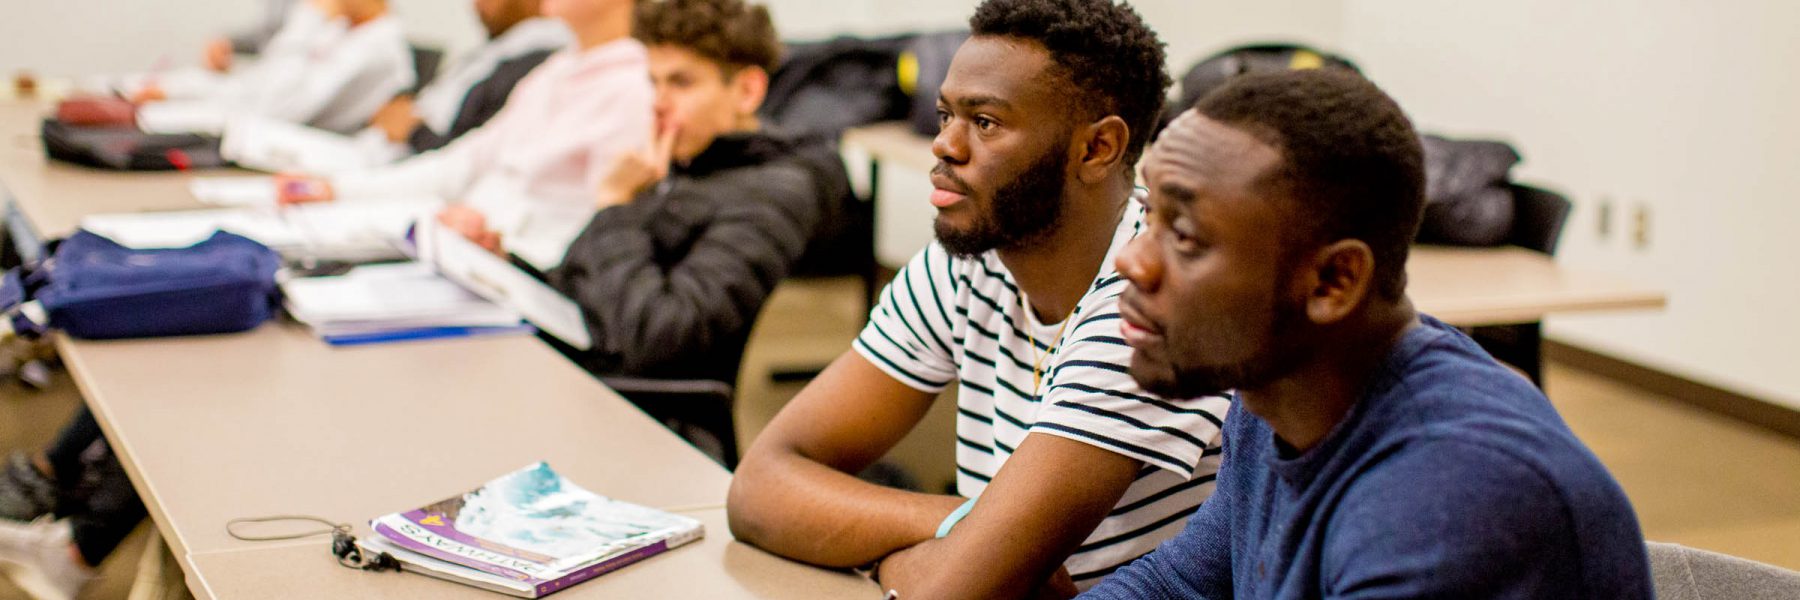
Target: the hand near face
(396, 119)
(635, 171)
(472, 225)
(218, 55)
(291, 189)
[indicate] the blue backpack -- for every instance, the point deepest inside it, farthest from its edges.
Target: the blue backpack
(94, 288)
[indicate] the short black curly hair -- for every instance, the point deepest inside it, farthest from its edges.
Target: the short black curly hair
(1106, 50)
(731, 33)
(1352, 164)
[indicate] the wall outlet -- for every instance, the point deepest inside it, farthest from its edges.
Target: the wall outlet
(1603, 218)
(1640, 227)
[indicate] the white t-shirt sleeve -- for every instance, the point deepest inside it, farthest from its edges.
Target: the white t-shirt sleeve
(445, 172)
(913, 329)
(1091, 398)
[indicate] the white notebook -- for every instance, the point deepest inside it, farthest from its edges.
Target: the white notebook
(266, 144)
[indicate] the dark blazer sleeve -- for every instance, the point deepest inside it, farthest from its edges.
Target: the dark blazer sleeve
(481, 103)
(665, 282)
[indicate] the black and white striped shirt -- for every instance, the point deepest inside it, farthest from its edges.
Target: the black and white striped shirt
(949, 319)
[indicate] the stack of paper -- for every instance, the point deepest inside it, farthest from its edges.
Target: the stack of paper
(183, 116)
(393, 302)
(347, 231)
(234, 191)
(270, 145)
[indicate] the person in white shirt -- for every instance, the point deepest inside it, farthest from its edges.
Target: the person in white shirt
(333, 64)
(455, 103)
(1065, 468)
(531, 173)
(219, 52)
(515, 28)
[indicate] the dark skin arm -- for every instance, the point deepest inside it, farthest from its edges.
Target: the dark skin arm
(1045, 501)
(794, 496)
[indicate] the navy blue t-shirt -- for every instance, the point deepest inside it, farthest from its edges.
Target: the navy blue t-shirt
(1451, 478)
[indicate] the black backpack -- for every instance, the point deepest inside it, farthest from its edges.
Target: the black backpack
(1215, 70)
(127, 148)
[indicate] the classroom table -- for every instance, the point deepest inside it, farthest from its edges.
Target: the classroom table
(273, 421)
(1461, 286)
(714, 567)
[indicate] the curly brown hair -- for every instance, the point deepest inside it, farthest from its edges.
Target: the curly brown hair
(732, 33)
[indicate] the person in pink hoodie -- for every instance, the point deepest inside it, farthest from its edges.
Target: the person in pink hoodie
(529, 174)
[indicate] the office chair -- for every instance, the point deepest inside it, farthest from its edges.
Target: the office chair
(1538, 218)
(1683, 573)
(699, 410)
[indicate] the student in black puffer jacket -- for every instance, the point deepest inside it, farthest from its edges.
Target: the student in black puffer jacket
(671, 280)
(694, 232)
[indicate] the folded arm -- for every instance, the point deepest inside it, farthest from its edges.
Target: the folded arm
(1044, 502)
(794, 493)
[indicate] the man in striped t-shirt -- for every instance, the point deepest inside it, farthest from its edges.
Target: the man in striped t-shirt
(1075, 471)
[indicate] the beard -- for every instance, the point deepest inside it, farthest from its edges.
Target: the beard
(1022, 212)
(1278, 356)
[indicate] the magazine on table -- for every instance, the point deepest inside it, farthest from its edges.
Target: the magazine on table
(528, 533)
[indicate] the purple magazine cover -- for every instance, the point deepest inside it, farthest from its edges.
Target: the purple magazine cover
(533, 525)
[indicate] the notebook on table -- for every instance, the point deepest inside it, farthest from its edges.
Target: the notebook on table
(528, 534)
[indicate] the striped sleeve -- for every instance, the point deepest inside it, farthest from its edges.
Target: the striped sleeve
(1092, 398)
(911, 335)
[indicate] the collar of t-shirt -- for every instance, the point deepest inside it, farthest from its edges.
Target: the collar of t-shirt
(1299, 471)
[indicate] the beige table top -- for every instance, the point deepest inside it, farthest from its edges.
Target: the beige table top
(273, 421)
(1496, 286)
(715, 567)
(56, 195)
(1461, 286)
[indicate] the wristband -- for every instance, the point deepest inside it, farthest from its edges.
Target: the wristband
(954, 518)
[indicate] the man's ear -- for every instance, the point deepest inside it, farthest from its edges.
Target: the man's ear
(748, 88)
(1099, 146)
(1341, 276)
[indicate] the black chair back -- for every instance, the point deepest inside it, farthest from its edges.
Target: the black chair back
(1538, 218)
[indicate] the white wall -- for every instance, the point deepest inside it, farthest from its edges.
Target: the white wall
(1192, 28)
(74, 38)
(1686, 109)
(84, 37)
(66, 38)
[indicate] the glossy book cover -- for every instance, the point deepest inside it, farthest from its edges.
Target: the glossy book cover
(534, 527)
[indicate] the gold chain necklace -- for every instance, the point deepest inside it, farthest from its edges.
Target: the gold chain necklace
(1037, 363)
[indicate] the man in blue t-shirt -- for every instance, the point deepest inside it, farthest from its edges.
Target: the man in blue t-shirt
(1374, 452)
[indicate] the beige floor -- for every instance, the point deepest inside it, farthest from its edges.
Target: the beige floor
(29, 419)
(1694, 478)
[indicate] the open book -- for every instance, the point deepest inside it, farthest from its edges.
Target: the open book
(528, 533)
(348, 231)
(394, 302)
(275, 146)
